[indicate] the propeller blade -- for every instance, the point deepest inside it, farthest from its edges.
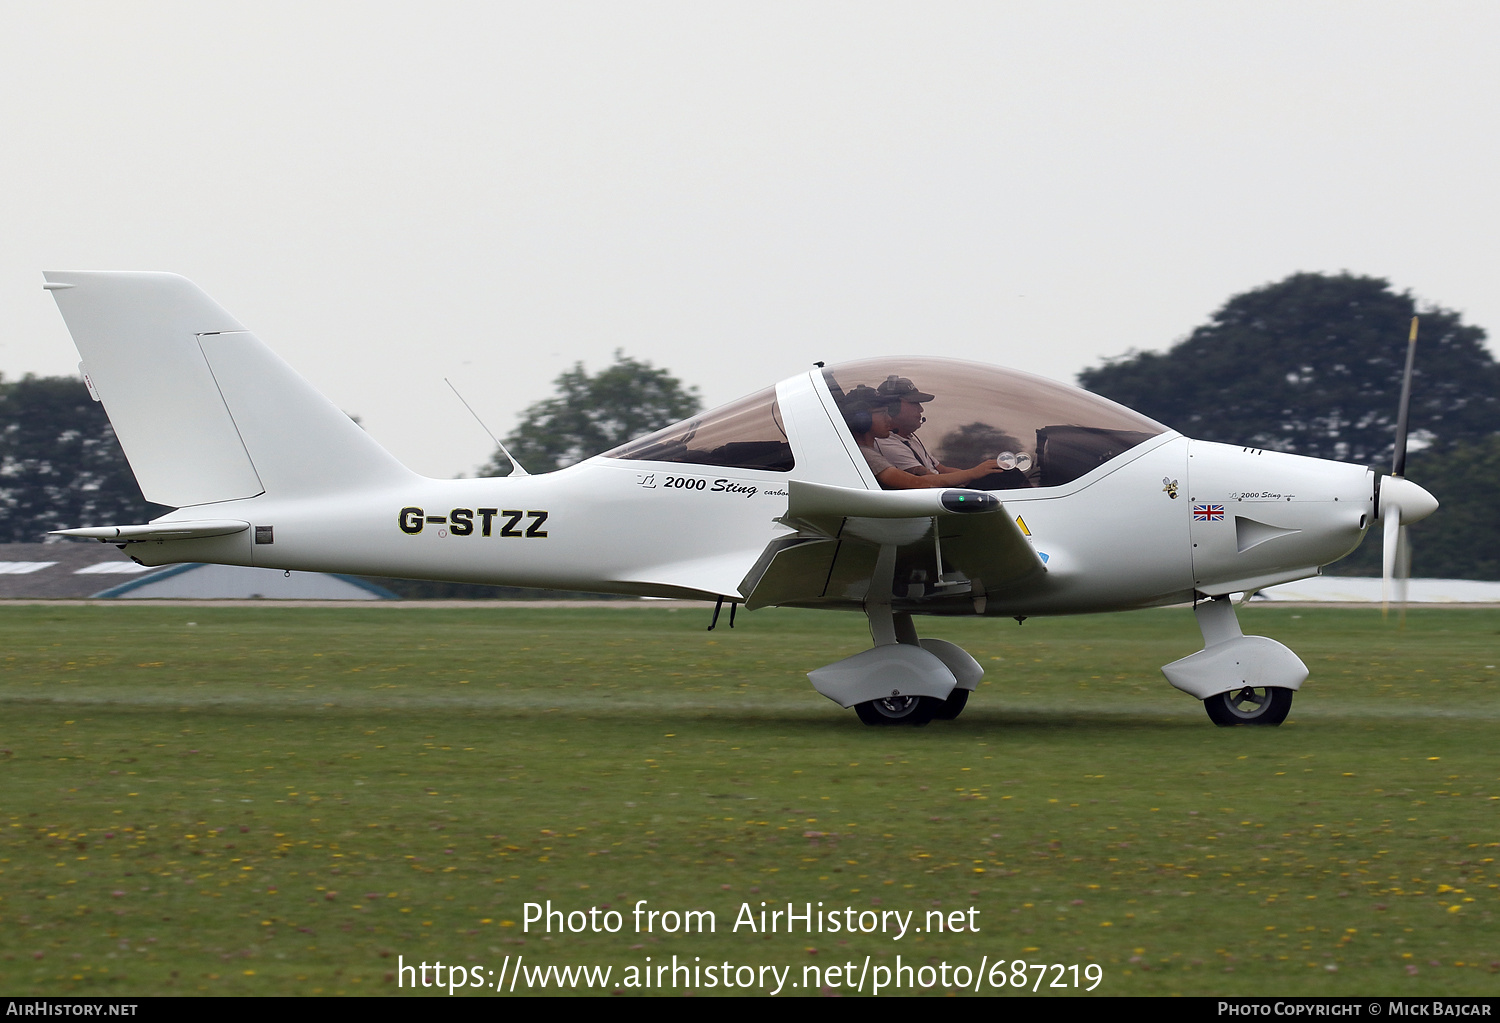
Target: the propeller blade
(1398, 458)
(1402, 502)
(1392, 538)
(1403, 571)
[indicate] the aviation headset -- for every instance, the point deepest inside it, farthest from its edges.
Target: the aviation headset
(860, 405)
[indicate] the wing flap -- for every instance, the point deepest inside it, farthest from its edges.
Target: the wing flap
(950, 544)
(789, 571)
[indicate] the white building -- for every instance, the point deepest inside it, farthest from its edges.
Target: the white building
(95, 570)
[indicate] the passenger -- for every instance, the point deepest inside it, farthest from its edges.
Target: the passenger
(868, 415)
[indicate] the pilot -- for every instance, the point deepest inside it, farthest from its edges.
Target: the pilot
(902, 448)
(905, 450)
(868, 415)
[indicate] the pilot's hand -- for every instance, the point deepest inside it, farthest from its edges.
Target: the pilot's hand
(981, 470)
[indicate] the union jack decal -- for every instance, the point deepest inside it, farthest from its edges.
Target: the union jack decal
(1208, 512)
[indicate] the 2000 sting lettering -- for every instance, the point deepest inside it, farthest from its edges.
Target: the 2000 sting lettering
(718, 486)
(461, 522)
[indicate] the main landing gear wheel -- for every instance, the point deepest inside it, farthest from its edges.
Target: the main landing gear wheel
(1251, 705)
(897, 710)
(953, 706)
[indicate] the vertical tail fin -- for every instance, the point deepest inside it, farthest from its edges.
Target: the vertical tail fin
(204, 411)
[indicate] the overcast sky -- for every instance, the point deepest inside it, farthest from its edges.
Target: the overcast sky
(388, 194)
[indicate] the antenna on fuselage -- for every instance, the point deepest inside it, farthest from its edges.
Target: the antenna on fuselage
(516, 468)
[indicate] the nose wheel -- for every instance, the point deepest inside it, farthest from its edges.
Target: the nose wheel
(1251, 705)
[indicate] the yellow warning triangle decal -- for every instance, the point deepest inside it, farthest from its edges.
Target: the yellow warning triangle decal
(1022, 523)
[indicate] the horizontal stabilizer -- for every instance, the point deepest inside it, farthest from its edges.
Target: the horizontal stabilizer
(187, 530)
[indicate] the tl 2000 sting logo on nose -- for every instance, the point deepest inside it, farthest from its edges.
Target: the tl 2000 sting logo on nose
(460, 522)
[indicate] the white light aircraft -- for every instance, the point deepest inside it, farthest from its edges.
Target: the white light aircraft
(768, 501)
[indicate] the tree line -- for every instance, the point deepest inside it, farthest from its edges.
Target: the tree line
(60, 462)
(1310, 365)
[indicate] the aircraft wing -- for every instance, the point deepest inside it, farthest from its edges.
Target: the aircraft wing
(953, 546)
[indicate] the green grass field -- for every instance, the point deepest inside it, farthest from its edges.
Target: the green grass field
(293, 800)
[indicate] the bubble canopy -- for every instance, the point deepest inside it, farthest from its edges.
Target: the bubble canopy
(745, 434)
(979, 412)
(976, 412)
